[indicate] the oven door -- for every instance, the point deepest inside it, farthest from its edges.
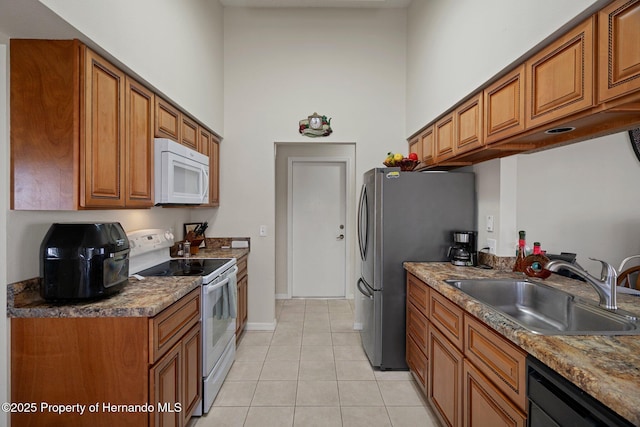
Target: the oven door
(218, 319)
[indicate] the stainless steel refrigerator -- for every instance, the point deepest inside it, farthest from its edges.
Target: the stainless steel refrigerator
(403, 216)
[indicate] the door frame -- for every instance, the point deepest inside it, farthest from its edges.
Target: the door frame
(349, 206)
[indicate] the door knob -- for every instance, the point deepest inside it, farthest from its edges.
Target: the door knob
(341, 237)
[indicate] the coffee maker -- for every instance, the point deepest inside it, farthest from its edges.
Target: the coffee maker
(464, 251)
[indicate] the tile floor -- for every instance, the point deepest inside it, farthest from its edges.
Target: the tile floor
(312, 371)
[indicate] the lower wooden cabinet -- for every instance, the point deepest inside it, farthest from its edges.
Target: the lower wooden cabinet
(444, 389)
(484, 405)
(243, 289)
(471, 375)
(111, 363)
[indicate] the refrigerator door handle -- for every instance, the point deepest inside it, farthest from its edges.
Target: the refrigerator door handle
(363, 220)
(365, 291)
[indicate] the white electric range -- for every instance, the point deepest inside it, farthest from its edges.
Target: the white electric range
(149, 256)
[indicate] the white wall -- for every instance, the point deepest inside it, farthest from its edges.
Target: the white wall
(456, 46)
(175, 48)
(582, 198)
(281, 66)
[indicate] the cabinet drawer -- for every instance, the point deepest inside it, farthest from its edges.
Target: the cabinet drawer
(417, 326)
(168, 327)
(448, 318)
(498, 359)
(485, 405)
(418, 294)
(417, 362)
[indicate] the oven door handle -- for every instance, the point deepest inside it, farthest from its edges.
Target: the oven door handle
(209, 289)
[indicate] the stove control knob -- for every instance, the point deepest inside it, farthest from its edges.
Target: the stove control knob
(168, 235)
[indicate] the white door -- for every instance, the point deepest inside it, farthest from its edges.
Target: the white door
(318, 215)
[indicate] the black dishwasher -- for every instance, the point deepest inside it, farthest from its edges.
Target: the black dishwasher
(556, 402)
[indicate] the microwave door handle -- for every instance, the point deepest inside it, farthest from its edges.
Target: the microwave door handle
(205, 184)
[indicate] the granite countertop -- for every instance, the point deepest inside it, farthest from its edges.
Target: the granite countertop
(606, 367)
(221, 253)
(139, 298)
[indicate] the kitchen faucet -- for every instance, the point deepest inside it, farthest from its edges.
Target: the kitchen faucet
(605, 286)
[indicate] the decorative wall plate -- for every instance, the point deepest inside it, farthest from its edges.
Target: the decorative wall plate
(315, 125)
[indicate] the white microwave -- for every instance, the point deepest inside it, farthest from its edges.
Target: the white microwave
(181, 174)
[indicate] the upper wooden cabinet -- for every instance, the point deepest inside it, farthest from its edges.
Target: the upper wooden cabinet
(139, 106)
(427, 141)
(102, 151)
(444, 138)
(559, 78)
(468, 121)
(209, 145)
(189, 133)
(416, 147)
(168, 121)
(82, 131)
(74, 141)
(619, 49)
(585, 84)
(504, 106)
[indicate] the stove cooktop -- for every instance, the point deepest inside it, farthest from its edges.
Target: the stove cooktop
(186, 267)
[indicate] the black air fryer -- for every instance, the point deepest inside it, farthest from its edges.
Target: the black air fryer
(83, 260)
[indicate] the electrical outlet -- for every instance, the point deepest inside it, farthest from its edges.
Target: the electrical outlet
(489, 222)
(263, 231)
(492, 243)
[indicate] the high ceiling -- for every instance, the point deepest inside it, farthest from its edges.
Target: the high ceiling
(317, 3)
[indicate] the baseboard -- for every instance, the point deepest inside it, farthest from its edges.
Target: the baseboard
(283, 296)
(357, 326)
(254, 326)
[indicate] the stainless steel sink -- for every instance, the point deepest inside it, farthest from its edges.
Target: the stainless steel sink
(545, 310)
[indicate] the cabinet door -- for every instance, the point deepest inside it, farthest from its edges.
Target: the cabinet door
(619, 53)
(416, 147)
(560, 78)
(103, 146)
(168, 120)
(165, 390)
(214, 172)
(428, 145)
(484, 405)
(191, 372)
(189, 134)
(241, 319)
(504, 106)
(468, 120)
(444, 378)
(444, 138)
(139, 105)
(204, 141)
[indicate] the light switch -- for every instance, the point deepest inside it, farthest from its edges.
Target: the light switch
(263, 231)
(489, 222)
